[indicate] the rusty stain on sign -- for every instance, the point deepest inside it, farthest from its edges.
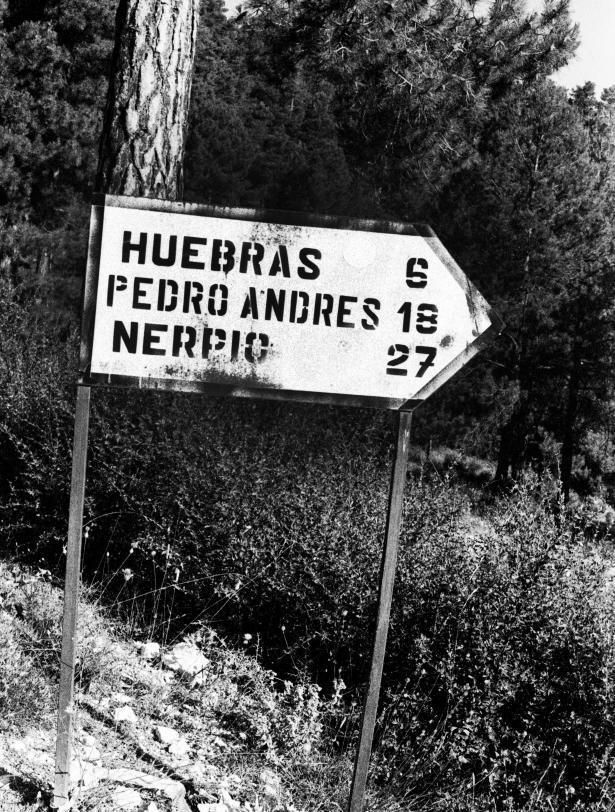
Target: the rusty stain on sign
(274, 304)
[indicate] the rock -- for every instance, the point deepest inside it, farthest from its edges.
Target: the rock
(166, 735)
(152, 808)
(186, 658)
(121, 699)
(124, 714)
(149, 651)
(174, 790)
(203, 773)
(212, 807)
(126, 798)
(179, 748)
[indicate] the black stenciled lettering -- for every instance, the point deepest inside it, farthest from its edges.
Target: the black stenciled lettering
(274, 304)
(302, 317)
(323, 307)
(251, 253)
(414, 278)
(165, 285)
(344, 312)
(406, 313)
(280, 263)
(171, 253)
(235, 342)
(430, 357)
(118, 283)
(427, 318)
(217, 302)
(138, 293)
(192, 301)
(250, 305)
(128, 247)
(151, 339)
(208, 334)
(184, 337)
(191, 250)
(262, 342)
(309, 269)
(122, 336)
(222, 256)
(370, 306)
(399, 355)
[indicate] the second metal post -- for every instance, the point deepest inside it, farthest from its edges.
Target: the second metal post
(385, 597)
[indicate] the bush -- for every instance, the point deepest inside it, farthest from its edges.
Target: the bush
(36, 416)
(508, 694)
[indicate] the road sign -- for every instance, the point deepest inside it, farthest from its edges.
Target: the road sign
(276, 305)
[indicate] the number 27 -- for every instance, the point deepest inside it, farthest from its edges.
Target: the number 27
(399, 355)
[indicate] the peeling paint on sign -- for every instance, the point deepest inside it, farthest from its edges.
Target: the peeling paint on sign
(176, 299)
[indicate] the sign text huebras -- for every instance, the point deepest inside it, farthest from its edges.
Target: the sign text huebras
(190, 298)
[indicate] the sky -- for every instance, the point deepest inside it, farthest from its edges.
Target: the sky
(595, 60)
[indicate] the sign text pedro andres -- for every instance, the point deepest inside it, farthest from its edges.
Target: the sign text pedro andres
(369, 313)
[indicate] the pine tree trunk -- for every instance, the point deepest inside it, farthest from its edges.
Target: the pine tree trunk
(142, 146)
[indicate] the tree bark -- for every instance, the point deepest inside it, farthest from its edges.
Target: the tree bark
(142, 146)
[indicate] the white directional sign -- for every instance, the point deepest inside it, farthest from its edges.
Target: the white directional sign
(274, 305)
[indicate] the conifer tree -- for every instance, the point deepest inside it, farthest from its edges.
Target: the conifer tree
(529, 220)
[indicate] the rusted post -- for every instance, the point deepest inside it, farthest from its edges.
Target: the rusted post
(71, 598)
(385, 597)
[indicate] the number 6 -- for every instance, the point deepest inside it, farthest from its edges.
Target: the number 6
(414, 278)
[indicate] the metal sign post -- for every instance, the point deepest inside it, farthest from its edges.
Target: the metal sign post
(71, 599)
(265, 304)
(72, 578)
(385, 597)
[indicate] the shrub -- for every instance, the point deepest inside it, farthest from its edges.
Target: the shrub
(36, 414)
(508, 692)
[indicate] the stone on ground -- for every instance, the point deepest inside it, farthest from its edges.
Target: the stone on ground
(186, 658)
(126, 798)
